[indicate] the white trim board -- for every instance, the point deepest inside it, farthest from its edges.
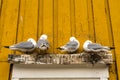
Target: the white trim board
(60, 71)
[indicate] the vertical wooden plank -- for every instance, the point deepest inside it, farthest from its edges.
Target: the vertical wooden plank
(30, 19)
(115, 22)
(0, 4)
(55, 25)
(10, 26)
(40, 18)
(21, 17)
(113, 68)
(1, 1)
(48, 21)
(103, 27)
(64, 28)
(81, 21)
(2, 63)
(4, 71)
(91, 25)
(72, 18)
(1, 20)
(9, 18)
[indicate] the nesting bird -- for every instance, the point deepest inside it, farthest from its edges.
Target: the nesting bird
(94, 51)
(89, 46)
(27, 46)
(43, 43)
(71, 46)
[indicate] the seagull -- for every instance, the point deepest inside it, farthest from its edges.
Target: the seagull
(89, 46)
(71, 46)
(43, 43)
(27, 46)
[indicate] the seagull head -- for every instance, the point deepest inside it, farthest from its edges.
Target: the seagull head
(85, 45)
(88, 41)
(72, 38)
(44, 37)
(32, 40)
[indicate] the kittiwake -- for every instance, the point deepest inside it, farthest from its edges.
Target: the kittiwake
(27, 46)
(43, 43)
(89, 46)
(71, 46)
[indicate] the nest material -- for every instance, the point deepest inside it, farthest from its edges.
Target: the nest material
(94, 57)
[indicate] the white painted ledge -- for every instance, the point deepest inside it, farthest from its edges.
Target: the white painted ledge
(67, 72)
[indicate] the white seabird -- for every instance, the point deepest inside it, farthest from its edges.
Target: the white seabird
(71, 46)
(27, 46)
(43, 43)
(89, 46)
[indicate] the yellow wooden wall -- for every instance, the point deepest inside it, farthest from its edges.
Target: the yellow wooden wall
(97, 20)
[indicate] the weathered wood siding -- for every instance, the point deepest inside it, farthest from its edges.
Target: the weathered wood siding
(97, 20)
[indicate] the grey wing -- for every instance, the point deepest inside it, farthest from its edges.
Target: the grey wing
(47, 43)
(40, 42)
(71, 45)
(24, 45)
(94, 46)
